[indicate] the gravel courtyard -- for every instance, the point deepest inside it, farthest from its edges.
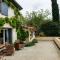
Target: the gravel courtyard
(43, 50)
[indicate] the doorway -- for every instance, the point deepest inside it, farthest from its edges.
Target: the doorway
(7, 35)
(1, 36)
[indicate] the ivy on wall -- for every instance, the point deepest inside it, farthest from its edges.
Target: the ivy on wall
(11, 21)
(2, 22)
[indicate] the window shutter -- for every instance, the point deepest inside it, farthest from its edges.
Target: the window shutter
(4, 9)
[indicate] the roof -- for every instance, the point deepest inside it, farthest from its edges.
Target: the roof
(16, 4)
(6, 25)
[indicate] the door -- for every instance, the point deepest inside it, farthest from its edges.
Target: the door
(8, 35)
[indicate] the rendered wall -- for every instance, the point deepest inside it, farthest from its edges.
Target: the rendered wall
(14, 35)
(10, 12)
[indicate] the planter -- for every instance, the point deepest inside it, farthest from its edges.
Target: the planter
(21, 45)
(17, 46)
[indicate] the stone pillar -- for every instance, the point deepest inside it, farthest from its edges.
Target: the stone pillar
(7, 35)
(3, 36)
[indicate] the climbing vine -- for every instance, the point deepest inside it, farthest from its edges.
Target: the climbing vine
(11, 21)
(2, 22)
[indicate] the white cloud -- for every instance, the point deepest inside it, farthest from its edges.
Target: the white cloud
(29, 5)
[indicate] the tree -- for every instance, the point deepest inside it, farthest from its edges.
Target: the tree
(55, 11)
(50, 28)
(36, 18)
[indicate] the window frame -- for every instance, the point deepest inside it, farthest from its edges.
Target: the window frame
(0, 7)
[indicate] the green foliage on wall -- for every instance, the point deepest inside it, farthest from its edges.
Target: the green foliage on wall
(11, 21)
(2, 22)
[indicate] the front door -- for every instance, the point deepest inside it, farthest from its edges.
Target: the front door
(8, 35)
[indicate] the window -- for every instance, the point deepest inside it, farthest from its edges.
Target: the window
(4, 9)
(0, 5)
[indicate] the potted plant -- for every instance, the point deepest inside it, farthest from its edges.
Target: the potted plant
(22, 35)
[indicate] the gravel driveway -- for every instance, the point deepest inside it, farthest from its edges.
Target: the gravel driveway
(43, 50)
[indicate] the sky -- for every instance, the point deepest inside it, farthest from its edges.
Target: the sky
(35, 5)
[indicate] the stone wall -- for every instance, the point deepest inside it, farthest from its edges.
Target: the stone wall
(46, 38)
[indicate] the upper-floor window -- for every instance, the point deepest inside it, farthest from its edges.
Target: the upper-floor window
(3, 8)
(0, 5)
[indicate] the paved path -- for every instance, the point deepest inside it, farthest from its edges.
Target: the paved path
(43, 50)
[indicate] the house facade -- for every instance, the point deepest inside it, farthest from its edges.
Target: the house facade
(8, 33)
(6, 10)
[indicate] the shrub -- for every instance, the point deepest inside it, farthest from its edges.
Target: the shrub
(21, 34)
(34, 41)
(50, 28)
(31, 43)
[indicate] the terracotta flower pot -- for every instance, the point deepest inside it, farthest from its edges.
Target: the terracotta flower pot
(21, 45)
(17, 46)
